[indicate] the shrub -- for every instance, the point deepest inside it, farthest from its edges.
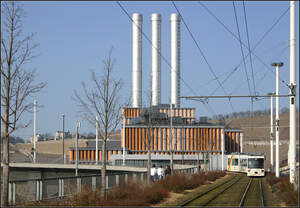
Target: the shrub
(213, 175)
(271, 179)
(86, 197)
(136, 194)
(181, 182)
(155, 193)
(283, 187)
(176, 183)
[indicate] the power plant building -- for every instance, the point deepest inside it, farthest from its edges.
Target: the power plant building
(164, 128)
(150, 127)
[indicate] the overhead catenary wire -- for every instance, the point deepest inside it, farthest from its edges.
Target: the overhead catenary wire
(248, 41)
(212, 80)
(258, 43)
(227, 77)
(243, 56)
(211, 111)
(241, 46)
(202, 54)
(265, 73)
(255, 74)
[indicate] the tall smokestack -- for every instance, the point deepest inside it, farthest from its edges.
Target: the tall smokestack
(156, 59)
(175, 59)
(137, 60)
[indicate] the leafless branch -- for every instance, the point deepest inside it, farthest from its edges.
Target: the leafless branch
(17, 82)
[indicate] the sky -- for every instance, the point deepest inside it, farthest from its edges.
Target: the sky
(75, 37)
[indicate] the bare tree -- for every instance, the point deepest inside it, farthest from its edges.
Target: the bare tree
(149, 139)
(103, 101)
(198, 145)
(17, 83)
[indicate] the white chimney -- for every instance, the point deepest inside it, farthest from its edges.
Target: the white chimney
(156, 59)
(175, 59)
(137, 60)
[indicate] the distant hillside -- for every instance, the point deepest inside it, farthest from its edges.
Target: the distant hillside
(258, 127)
(257, 134)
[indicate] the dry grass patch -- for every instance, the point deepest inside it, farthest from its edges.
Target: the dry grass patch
(283, 188)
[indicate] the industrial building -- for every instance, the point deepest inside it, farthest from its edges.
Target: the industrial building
(164, 128)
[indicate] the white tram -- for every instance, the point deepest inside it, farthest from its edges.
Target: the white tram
(252, 164)
(256, 165)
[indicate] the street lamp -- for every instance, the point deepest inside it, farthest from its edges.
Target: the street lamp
(277, 65)
(76, 147)
(63, 137)
(271, 133)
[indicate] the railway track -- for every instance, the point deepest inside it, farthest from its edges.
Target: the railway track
(253, 195)
(239, 190)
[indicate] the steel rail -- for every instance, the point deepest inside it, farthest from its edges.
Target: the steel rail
(203, 193)
(219, 193)
(245, 193)
(261, 194)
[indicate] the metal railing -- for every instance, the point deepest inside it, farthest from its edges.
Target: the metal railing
(21, 191)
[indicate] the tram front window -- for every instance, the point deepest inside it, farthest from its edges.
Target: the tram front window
(255, 163)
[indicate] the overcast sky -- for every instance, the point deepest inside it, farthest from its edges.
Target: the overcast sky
(75, 37)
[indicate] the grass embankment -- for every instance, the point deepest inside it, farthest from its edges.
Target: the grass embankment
(283, 189)
(136, 193)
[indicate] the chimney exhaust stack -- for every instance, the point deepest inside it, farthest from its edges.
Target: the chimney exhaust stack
(175, 59)
(156, 59)
(137, 60)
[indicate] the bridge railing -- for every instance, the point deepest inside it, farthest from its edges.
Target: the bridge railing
(21, 191)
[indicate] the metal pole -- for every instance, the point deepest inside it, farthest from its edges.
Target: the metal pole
(124, 122)
(271, 136)
(223, 147)
(34, 131)
(292, 147)
(63, 137)
(0, 110)
(242, 142)
(171, 138)
(277, 122)
(76, 147)
(97, 139)
(277, 116)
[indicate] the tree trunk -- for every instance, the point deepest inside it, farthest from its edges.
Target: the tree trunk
(205, 161)
(198, 162)
(5, 162)
(5, 154)
(5, 173)
(149, 167)
(103, 170)
(172, 162)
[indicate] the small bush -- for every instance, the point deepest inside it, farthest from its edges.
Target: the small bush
(284, 188)
(86, 197)
(155, 193)
(136, 194)
(180, 182)
(176, 183)
(271, 179)
(213, 175)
